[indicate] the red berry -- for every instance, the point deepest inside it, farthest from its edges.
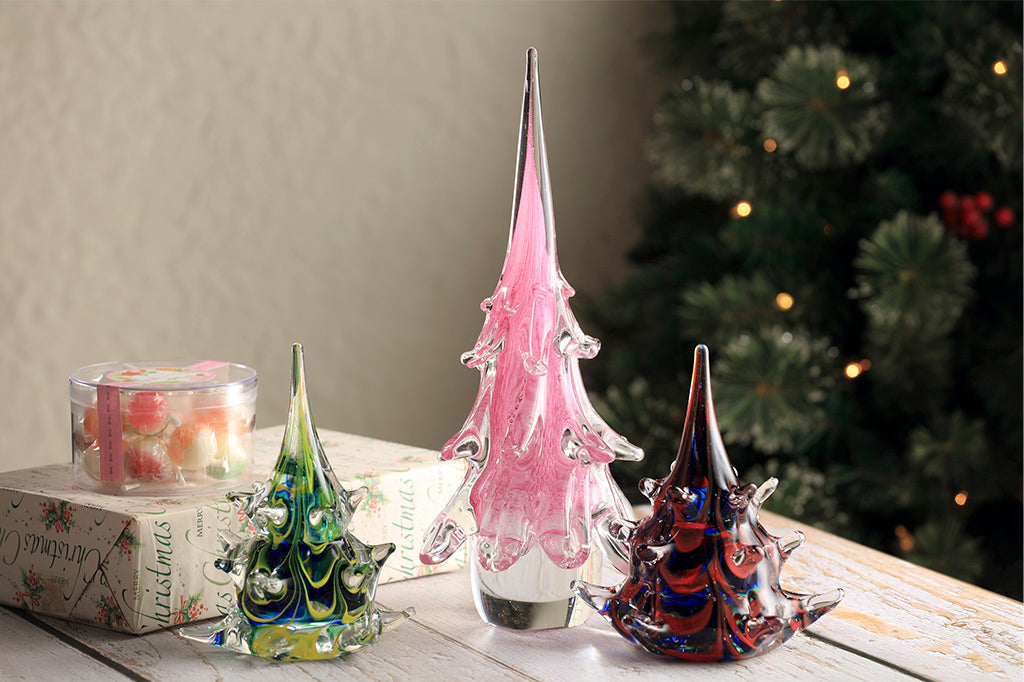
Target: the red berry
(980, 230)
(948, 201)
(972, 218)
(983, 200)
(1004, 217)
(951, 218)
(968, 204)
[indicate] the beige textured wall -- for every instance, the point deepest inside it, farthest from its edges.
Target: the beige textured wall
(219, 180)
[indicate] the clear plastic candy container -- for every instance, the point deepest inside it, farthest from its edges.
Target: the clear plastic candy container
(161, 427)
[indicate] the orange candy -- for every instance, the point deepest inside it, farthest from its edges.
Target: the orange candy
(209, 410)
(179, 442)
(233, 419)
(192, 446)
(91, 422)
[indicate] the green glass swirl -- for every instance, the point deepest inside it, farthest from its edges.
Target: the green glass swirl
(305, 584)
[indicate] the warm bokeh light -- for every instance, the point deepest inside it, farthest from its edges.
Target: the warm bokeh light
(842, 80)
(853, 370)
(906, 539)
(770, 145)
(865, 364)
(784, 301)
(743, 209)
(960, 498)
(999, 68)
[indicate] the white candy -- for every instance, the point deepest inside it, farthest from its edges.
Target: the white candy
(232, 456)
(91, 461)
(202, 450)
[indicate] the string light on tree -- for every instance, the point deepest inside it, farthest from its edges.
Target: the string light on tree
(906, 538)
(853, 370)
(742, 209)
(783, 301)
(842, 79)
(999, 68)
(770, 145)
(960, 499)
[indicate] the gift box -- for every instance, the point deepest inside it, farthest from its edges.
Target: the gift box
(138, 564)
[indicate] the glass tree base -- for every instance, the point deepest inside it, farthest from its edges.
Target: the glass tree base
(533, 594)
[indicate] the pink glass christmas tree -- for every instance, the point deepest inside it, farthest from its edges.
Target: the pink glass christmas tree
(538, 453)
(703, 579)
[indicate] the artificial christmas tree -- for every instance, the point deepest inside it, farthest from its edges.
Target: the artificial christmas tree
(836, 208)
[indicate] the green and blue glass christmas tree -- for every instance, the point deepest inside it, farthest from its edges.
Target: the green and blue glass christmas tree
(305, 584)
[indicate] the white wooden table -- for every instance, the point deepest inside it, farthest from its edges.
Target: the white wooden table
(898, 621)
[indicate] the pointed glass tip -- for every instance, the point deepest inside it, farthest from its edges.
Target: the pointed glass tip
(702, 454)
(298, 409)
(298, 371)
(532, 159)
(300, 431)
(701, 380)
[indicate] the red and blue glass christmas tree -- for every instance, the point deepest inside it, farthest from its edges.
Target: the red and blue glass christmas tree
(703, 579)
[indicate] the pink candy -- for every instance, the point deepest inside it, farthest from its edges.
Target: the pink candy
(147, 413)
(147, 460)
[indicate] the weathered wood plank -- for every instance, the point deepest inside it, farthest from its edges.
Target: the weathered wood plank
(409, 652)
(447, 636)
(594, 651)
(30, 653)
(930, 624)
(898, 621)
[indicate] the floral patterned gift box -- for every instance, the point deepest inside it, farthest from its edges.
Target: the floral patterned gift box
(138, 564)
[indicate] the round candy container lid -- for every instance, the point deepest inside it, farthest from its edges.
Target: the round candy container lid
(167, 377)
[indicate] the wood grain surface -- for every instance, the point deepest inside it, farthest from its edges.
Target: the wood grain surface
(918, 620)
(897, 622)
